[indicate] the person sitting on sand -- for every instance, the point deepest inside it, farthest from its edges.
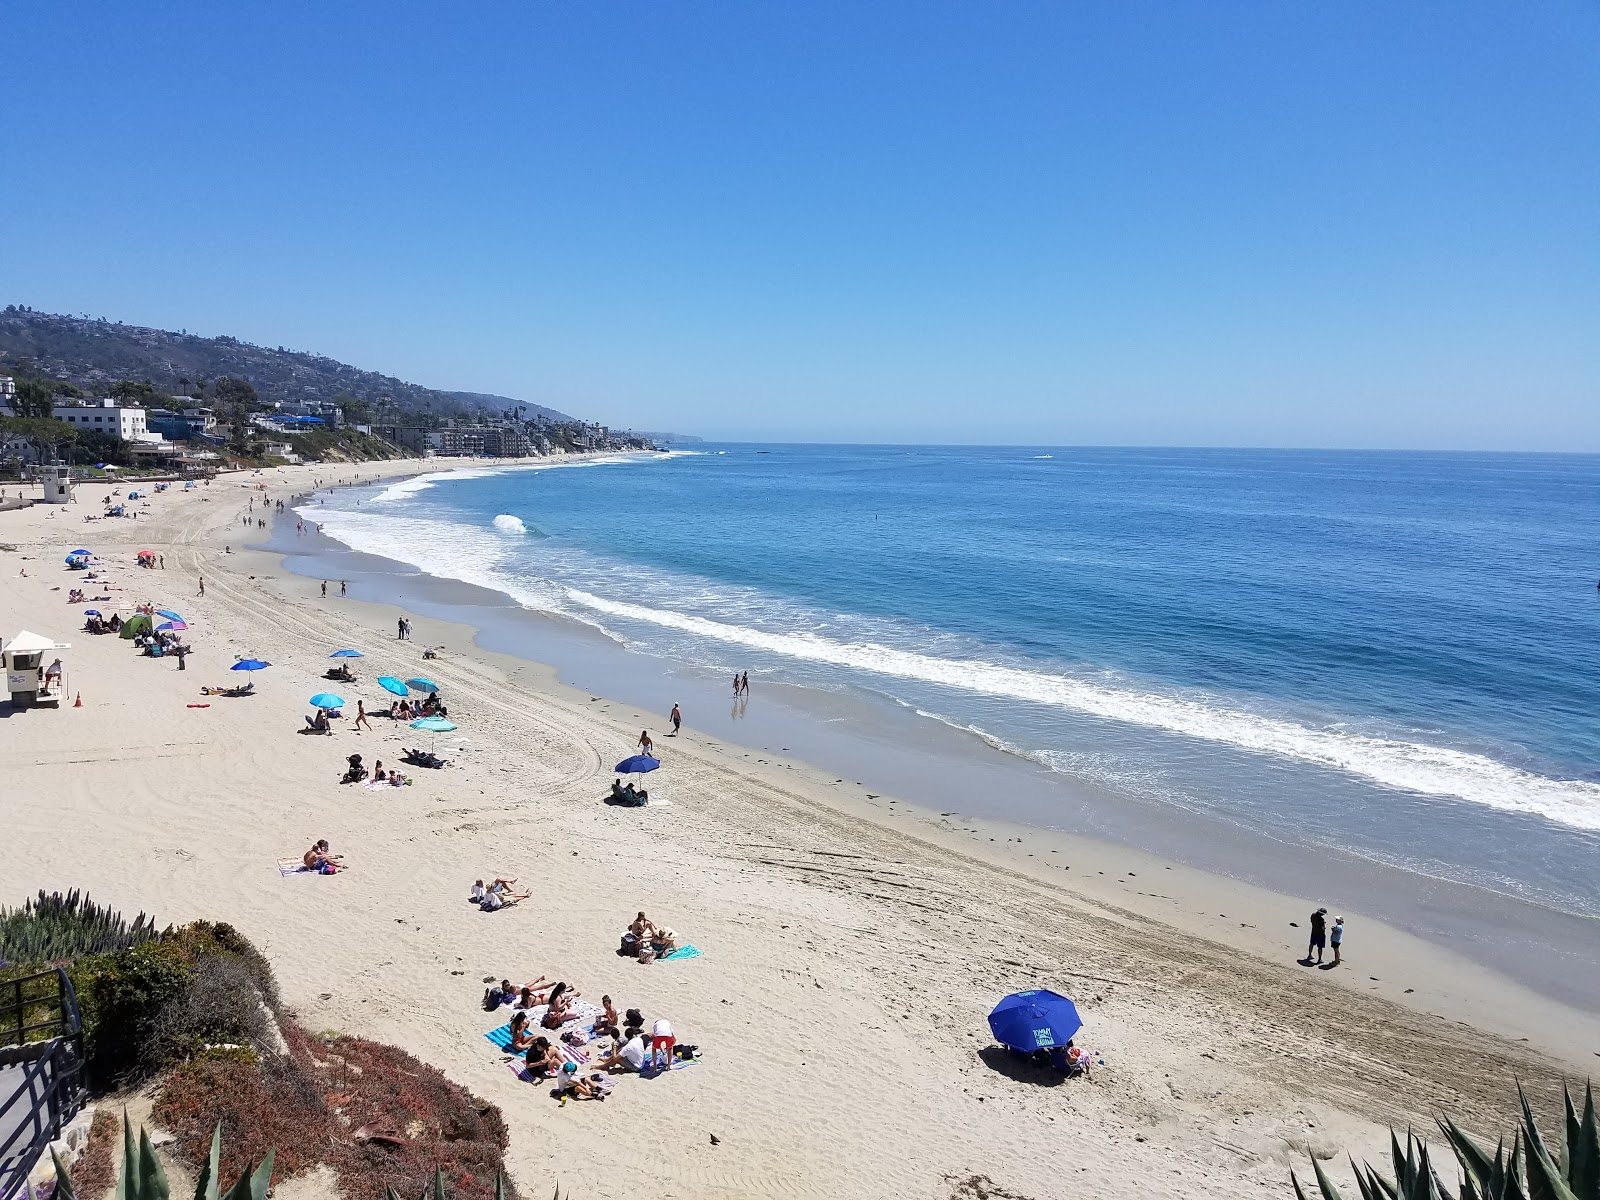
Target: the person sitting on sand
(521, 1035)
(379, 775)
(608, 1024)
(530, 996)
(318, 723)
(542, 1058)
(625, 794)
(628, 1055)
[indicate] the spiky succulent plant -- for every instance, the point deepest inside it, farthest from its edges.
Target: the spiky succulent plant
(1527, 1171)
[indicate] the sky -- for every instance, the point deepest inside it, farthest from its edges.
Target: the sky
(1279, 224)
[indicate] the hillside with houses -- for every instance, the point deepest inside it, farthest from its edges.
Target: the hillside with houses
(131, 395)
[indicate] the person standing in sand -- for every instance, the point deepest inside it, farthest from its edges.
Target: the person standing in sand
(1319, 933)
(344, 586)
(202, 585)
(676, 717)
(324, 589)
(1336, 940)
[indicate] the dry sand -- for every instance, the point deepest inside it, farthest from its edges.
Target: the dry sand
(852, 948)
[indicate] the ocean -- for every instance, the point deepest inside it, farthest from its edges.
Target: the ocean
(1393, 656)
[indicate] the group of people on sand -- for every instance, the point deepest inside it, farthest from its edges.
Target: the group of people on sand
(552, 1032)
(356, 772)
(500, 894)
(1323, 937)
(321, 860)
(647, 941)
(406, 709)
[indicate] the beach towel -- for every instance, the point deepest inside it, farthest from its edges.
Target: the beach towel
(293, 866)
(680, 952)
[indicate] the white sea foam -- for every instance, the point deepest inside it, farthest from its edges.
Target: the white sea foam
(480, 556)
(506, 523)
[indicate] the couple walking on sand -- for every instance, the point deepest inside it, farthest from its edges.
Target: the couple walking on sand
(1321, 937)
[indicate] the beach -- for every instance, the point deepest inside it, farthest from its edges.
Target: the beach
(852, 942)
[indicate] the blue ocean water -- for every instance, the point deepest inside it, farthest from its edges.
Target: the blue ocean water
(1395, 653)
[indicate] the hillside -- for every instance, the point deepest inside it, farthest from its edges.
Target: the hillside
(95, 353)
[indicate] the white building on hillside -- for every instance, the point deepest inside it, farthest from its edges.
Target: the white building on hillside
(104, 416)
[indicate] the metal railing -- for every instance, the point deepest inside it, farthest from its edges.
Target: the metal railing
(42, 1082)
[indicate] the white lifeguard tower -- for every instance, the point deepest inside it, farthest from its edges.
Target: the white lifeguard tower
(57, 481)
(29, 677)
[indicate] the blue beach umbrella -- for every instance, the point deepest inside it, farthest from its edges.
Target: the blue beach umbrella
(78, 551)
(390, 684)
(347, 654)
(327, 700)
(422, 685)
(249, 664)
(1036, 1020)
(171, 626)
(637, 765)
(433, 725)
(168, 614)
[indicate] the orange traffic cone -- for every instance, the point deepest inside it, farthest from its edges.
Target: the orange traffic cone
(78, 703)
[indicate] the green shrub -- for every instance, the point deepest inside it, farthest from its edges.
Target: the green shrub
(122, 996)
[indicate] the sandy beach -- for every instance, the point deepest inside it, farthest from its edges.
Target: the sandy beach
(852, 944)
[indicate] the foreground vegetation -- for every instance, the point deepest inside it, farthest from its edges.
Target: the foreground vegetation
(195, 1011)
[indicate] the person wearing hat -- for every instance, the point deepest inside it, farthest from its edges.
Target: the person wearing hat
(1319, 933)
(1336, 940)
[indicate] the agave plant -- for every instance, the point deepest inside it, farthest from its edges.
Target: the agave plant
(143, 1179)
(1529, 1171)
(53, 927)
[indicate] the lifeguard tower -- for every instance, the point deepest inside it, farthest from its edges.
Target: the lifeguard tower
(28, 659)
(57, 481)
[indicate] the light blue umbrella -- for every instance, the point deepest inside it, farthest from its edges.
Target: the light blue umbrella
(390, 684)
(327, 700)
(422, 685)
(168, 614)
(434, 725)
(347, 654)
(249, 664)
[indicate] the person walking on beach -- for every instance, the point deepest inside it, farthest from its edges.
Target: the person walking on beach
(676, 717)
(646, 746)
(202, 585)
(1336, 940)
(344, 586)
(1319, 933)
(744, 683)
(324, 589)
(736, 685)
(361, 715)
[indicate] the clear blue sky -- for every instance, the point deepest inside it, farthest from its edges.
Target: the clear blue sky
(1266, 223)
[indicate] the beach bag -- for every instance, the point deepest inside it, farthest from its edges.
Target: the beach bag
(630, 945)
(647, 953)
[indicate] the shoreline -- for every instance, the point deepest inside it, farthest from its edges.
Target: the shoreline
(934, 769)
(837, 936)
